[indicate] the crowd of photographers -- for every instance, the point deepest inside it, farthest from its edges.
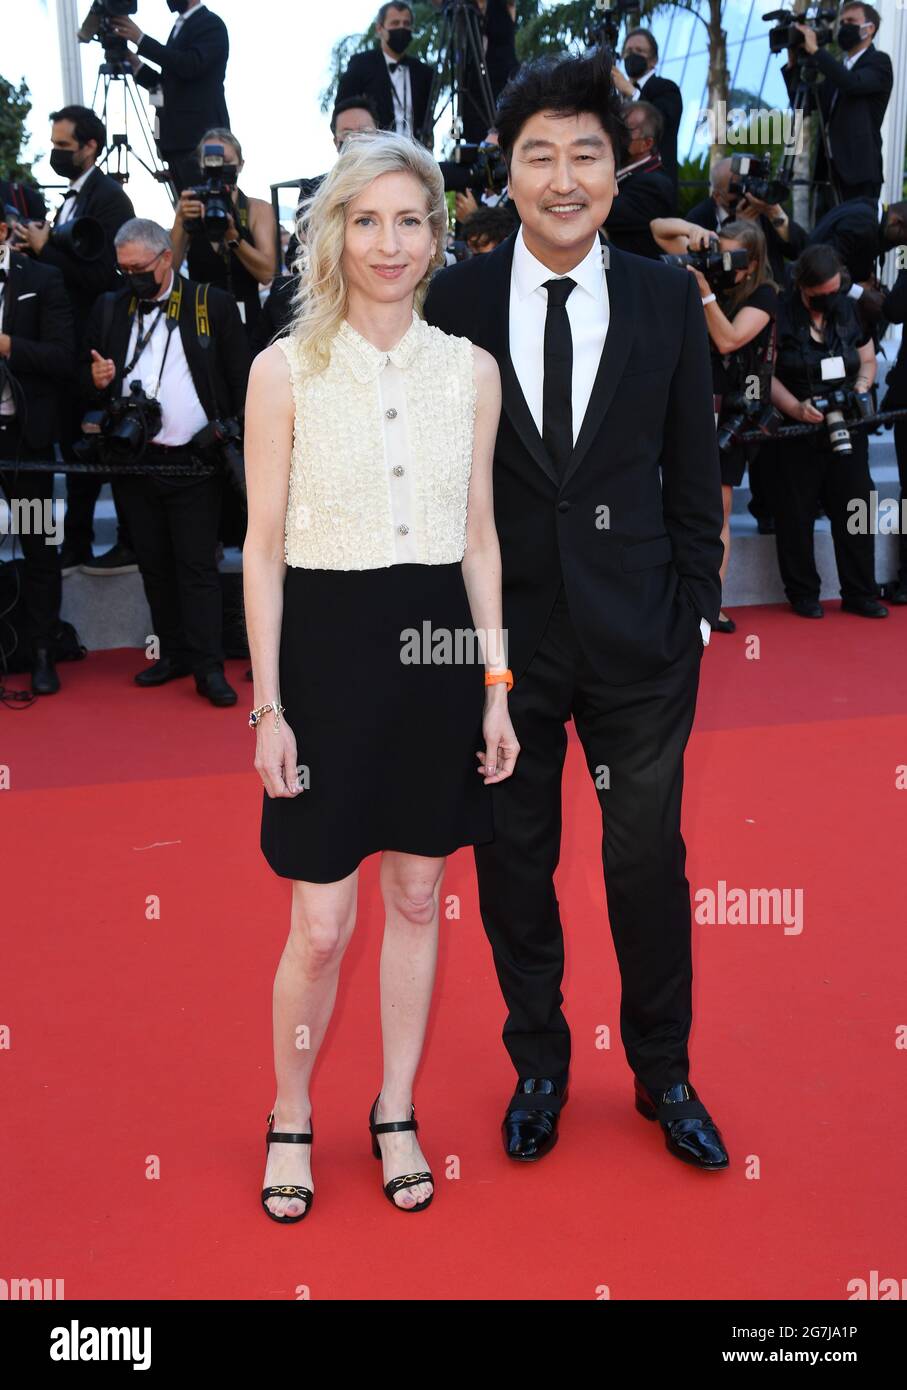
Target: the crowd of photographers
(127, 345)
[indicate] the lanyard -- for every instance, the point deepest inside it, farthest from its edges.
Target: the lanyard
(172, 310)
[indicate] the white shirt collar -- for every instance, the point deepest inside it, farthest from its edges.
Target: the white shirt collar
(530, 274)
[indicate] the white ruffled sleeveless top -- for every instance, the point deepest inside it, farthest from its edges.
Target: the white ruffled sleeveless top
(382, 452)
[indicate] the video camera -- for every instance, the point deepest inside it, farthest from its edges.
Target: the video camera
(718, 267)
(97, 25)
(752, 174)
(215, 194)
(604, 28)
(122, 430)
(784, 35)
(82, 237)
(486, 165)
(740, 413)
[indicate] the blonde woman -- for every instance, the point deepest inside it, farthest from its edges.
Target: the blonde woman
(371, 560)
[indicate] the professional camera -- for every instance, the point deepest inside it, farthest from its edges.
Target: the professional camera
(487, 166)
(842, 405)
(97, 25)
(122, 430)
(215, 194)
(83, 237)
(739, 414)
(784, 35)
(220, 441)
(718, 267)
(604, 27)
(751, 173)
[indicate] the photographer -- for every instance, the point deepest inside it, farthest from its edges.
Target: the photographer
(398, 84)
(193, 64)
(728, 199)
(184, 344)
(639, 58)
(645, 193)
(825, 367)
(894, 310)
(741, 305)
(36, 360)
(241, 255)
(478, 179)
(862, 232)
(98, 204)
(852, 100)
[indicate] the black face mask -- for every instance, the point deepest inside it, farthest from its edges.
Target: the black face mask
(823, 303)
(849, 37)
(634, 65)
(399, 39)
(63, 162)
(178, 6)
(143, 284)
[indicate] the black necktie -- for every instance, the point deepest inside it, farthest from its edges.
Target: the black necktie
(557, 391)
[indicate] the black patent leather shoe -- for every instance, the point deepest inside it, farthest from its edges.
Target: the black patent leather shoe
(690, 1132)
(807, 608)
(864, 607)
(530, 1125)
(160, 672)
(44, 678)
(215, 687)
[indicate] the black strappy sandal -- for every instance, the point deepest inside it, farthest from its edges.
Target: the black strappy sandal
(408, 1179)
(304, 1194)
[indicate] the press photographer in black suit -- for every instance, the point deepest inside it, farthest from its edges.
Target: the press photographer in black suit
(853, 99)
(894, 309)
(37, 357)
(397, 83)
(153, 331)
(608, 509)
(784, 238)
(78, 139)
(639, 58)
(644, 191)
(190, 72)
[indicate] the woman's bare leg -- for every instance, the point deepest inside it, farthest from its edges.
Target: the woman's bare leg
(322, 919)
(727, 498)
(411, 886)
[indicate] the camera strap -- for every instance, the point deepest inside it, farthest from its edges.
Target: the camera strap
(172, 313)
(203, 334)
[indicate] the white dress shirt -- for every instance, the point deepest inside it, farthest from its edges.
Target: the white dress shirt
(588, 312)
(402, 92)
(67, 208)
(182, 412)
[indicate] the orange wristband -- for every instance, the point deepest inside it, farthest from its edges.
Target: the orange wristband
(495, 678)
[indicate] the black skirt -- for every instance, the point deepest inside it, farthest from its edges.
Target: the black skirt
(387, 743)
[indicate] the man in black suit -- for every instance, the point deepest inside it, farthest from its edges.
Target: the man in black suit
(153, 331)
(853, 99)
(608, 509)
(861, 232)
(644, 191)
(784, 238)
(190, 72)
(37, 356)
(78, 139)
(894, 310)
(639, 58)
(397, 83)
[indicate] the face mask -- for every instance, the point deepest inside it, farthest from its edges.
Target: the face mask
(821, 303)
(399, 39)
(849, 37)
(143, 284)
(63, 162)
(178, 6)
(634, 65)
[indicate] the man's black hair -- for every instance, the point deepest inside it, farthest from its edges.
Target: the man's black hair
(815, 265)
(649, 38)
(393, 5)
(355, 103)
(87, 125)
(565, 84)
(490, 224)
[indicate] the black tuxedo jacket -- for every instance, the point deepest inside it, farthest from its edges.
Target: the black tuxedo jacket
(367, 75)
(192, 70)
(853, 229)
(643, 195)
(219, 372)
(853, 102)
(641, 574)
(38, 318)
(666, 96)
(102, 198)
(895, 311)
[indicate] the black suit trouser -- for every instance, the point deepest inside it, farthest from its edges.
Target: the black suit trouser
(803, 478)
(82, 491)
(42, 588)
(173, 524)
(633, 738)
(900, 446)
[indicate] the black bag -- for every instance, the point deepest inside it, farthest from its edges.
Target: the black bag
(16, 649)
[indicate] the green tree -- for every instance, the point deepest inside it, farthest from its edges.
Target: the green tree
(15, 105)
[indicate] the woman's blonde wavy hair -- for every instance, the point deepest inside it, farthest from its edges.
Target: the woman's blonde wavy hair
(321, 298)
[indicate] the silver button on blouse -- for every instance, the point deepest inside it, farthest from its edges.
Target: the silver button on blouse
(403, 530)
(391, 414)
(398, 470)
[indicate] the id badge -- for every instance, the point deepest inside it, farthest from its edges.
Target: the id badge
(832, 368)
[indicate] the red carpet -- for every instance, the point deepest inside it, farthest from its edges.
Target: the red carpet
(139, 1046)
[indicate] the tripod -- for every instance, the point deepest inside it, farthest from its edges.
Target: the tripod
(459, 45)
(807, 103)
(115, 160)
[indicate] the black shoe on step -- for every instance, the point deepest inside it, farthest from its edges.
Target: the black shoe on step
(44, 678)
(216, 688)
(807, 608)
(119, 559)
(725, 624)
(160, 672)
(72, 559)
(864, 607)
(530, 1124)
(690, 1132)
